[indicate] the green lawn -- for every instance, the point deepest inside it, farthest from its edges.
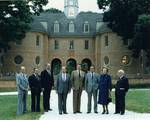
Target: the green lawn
(8, 108)
(138, 101)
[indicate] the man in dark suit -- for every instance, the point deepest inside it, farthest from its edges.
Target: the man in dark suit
(63, 87)
(121, 89)
(35, 86)
(47, 83)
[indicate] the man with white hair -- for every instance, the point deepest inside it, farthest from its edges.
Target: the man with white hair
(47, 82)
(63, 87)
(121, 89)
(22, 87)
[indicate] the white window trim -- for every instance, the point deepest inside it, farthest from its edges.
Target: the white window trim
(86, 23)
(56, 27)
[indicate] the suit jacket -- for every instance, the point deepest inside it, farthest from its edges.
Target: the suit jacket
(34, 83)
(47, 81)
(77, 82)
(61, 85)
(122, 85)
(22, 82)
(91, 83)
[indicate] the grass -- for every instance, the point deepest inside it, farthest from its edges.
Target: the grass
(8, 108)
(138, 101)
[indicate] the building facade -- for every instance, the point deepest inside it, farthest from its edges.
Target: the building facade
(70, 38)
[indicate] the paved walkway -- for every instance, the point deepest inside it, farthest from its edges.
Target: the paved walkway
(53, 115)
(15, 93)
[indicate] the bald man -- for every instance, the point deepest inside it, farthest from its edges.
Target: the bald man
(121, 89)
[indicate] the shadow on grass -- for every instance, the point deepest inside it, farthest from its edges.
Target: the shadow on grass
(8, 108)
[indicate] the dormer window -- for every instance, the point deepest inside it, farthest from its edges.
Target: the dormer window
(86, 27)
(71, 27)
(56, 27)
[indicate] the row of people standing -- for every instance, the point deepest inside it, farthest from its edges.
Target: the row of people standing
(78, 81)
(37, 84)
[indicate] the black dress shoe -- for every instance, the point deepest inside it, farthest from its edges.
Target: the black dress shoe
(107, 112)
(60, 113)
(50, 109)
(121, 113)
(96, 112)
(65, 113)
(88, 112)
(116, 113)
(45, 110)
(79, 112)
(103, 112)
(74, 112)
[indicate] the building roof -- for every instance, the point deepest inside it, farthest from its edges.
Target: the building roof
(104, 28)
(37, 26)
(45, 23)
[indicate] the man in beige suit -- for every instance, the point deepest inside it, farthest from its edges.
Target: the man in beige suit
(77, 78)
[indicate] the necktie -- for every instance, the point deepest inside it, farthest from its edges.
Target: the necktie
(23, 76)
(37, 76)
(64, 78)
(92, 75)
(79, 74)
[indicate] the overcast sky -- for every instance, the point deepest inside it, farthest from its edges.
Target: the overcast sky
(84, 5)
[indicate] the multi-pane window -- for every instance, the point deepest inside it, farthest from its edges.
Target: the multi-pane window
(56, 44)
(37, 60)
(37, 40)
(56, 27)
(86, 27)
(71, 27)
(106, 41)
(86, 44)
(71, 45)
(106, 60)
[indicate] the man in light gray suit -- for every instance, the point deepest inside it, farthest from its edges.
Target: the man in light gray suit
(91, 87)
(63, 87)
(22, 86)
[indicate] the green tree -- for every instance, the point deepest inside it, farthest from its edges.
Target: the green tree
(53, 10)
(123, 17)
(15, 19)
(141, 39)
